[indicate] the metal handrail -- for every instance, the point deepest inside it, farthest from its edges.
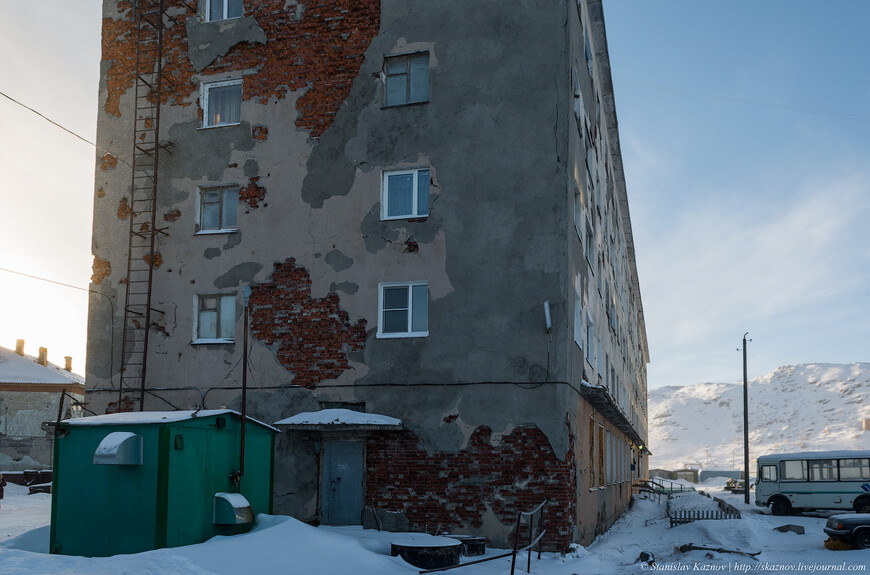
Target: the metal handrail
(513, 553)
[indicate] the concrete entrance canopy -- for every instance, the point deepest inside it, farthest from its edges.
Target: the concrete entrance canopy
(340, 420)
(600, 398)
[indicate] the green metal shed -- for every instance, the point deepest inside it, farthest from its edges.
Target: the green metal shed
(130, 482)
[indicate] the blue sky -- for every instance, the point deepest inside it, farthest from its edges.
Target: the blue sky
(744, 130)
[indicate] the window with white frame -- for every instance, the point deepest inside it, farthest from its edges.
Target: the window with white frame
(599, 365)
(215, 318)
(590, 339)
(578, 313)
(578, 211)
(218, 209)
(223, 9)
(405, 194)
(403, 309)
(579, 106)
(587, 51)
(589, 247)
(221, 103)
(407, 79)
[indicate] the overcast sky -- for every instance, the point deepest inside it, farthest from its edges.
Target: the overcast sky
(744, 129)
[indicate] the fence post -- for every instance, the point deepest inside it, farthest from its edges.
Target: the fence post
(516, 539)
(531, 538)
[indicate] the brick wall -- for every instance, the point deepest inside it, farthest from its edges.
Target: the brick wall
(451, 490)
(313, 334)
(321, 50)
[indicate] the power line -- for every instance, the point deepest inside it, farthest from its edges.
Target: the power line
(46, 280)
(102, 295)
(67, 130)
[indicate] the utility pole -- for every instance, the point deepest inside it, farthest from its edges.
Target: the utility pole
(745, 426)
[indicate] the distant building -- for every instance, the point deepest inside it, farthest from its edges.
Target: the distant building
(30, 395)
(428, 205)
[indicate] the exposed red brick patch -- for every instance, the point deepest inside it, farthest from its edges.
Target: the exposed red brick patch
(101, 193)
(108, 162)
(172, 215)
(101, 270)
(124, 209)
(450, 418)
(451, 490)
(159, 328)
(253, 193)
(325, 47)
(155, 261)
(313, 335)
(260, 133)
(411, 246)
(123, 405)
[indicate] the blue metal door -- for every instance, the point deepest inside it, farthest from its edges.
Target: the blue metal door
(341, 483)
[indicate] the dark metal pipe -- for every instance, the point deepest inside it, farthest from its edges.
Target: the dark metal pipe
(60, 410)
(244, 392)
(152, 389)
(745, 426)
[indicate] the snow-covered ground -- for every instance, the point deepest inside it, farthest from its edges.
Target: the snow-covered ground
(283, 545)
(794, 408)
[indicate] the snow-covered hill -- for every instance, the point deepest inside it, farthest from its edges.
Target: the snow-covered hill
(795, 408)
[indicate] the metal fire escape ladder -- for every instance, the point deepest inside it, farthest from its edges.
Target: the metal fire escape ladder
(148, 30)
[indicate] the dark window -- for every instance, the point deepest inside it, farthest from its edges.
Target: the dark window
(768, 473)
(794, 470)
(854, 469)
(407, 79)
(823, 470)
(224, 9)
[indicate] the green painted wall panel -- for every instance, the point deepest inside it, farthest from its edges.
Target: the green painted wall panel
(101, 510)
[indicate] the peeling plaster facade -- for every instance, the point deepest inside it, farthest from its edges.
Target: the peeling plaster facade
(527, 204)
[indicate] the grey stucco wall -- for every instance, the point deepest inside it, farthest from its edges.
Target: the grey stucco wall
(499, 139)
(492, 249)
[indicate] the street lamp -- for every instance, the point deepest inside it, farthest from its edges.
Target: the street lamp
(745, 425)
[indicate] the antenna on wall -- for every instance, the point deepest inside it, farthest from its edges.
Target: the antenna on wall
(547, 316)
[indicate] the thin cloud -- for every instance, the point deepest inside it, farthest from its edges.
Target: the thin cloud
(722, 265)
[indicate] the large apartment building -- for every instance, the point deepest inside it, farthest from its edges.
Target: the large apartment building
(424, 203)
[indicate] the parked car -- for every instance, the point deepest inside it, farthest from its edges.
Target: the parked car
(738, 485)
(851, 527)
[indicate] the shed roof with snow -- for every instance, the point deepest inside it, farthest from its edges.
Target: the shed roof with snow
(156, 417)
(340, 419)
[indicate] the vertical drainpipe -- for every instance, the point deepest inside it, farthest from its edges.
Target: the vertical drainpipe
(237, 476)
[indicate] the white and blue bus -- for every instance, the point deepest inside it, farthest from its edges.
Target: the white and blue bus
(814, 480)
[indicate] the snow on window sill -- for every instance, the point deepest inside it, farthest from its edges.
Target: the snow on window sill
(212, 340)
(403, 334)
(405, 217)
(212, 232)
(219, 126)
(209, 21)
